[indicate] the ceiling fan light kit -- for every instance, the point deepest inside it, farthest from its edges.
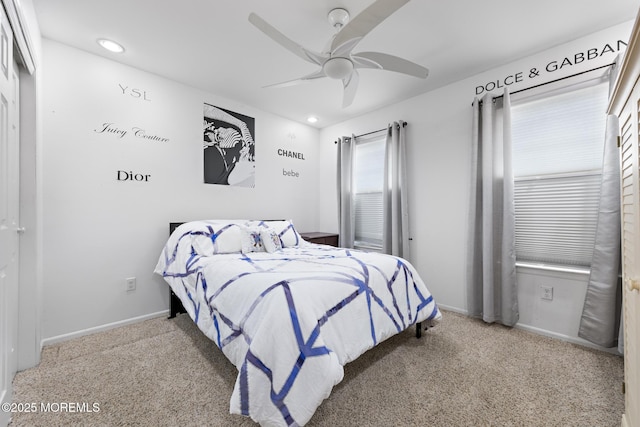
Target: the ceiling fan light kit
(338, 61)
(337, 68)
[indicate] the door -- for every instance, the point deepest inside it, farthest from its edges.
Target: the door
(9, 199)
(630, 216)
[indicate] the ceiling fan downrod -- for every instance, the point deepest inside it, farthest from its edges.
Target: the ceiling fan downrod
(338, 18)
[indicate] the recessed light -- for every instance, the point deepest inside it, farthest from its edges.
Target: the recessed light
(110, 45)
(312, 119)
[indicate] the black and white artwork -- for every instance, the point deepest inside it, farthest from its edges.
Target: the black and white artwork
(229, 147)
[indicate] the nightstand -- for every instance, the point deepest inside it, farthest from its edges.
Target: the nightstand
(321, 238)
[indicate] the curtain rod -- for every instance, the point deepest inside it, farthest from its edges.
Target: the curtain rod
(372, 132)
(556, 80)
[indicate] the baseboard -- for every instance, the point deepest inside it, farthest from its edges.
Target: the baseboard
(89, 331)
(101, 328)
(567, 338)
(544, 332)
(454, 309)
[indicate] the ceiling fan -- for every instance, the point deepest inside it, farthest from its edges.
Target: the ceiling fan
(337, 61)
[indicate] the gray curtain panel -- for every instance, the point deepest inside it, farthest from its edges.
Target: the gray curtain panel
(346, 157)
(491, 270)
(395, 232)
(600, 321)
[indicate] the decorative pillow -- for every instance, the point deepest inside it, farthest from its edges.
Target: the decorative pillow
(217, 239)
(270, 240)
(286, 231)
(251, 241)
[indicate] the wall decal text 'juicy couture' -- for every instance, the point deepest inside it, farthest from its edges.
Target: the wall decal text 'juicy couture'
(112, 129)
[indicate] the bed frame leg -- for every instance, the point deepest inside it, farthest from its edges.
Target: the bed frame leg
(418, 329)
(172, 313)
(175, 305)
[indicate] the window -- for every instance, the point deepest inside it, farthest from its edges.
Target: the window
(368, 175)
(558, 146)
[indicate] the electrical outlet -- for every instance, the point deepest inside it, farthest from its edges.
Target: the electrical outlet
(130, 284)
(547, 292)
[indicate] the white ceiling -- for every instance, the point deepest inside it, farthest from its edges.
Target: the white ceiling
(209, 44)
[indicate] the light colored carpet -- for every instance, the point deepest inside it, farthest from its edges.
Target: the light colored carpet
(461, 373)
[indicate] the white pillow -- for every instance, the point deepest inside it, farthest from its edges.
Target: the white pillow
(270, 240)
(286, 231)
(217, 239)
(250, 240)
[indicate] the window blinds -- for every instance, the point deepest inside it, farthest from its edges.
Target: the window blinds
(368, 183)
(558, 146)
(556, 218)
(561, 133)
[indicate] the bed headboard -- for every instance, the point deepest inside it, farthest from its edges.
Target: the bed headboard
(174, 225)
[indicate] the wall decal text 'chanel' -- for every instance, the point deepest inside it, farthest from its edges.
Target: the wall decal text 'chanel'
(291, 154)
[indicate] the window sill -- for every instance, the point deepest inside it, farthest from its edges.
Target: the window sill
(365, 247)
(557, 268)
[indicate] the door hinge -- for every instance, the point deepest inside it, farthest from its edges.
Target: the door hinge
(618, 139)
(624, 390)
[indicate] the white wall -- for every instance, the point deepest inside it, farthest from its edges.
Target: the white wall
(438, 151)
(98, 230)
(560, 316)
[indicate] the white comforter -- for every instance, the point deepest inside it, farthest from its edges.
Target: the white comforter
(290, 320)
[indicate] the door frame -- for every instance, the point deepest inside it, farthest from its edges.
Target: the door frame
(25, 29)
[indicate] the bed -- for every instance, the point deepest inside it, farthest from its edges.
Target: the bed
(287, 313)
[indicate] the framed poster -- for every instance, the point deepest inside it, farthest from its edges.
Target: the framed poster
(229, 147)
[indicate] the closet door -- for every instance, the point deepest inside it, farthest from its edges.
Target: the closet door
(630, 212)
(9, 200)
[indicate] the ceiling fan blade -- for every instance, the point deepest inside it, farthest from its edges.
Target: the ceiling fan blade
(350, 84)
(384, 61)
(304, 79)
(366, 21)
(345, 48)
(284, 41)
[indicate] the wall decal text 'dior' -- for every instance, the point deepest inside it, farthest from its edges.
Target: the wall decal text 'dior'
(130, 176)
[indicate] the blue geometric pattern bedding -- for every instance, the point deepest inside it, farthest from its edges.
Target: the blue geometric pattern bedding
(291, 319)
